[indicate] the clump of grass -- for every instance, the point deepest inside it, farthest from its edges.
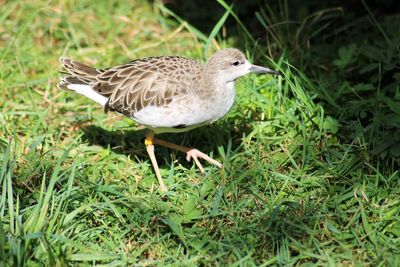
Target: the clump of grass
(77, 187)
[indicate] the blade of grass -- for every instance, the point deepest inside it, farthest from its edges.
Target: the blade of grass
(216, 29)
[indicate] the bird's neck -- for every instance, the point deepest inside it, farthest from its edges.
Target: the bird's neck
(212, 82)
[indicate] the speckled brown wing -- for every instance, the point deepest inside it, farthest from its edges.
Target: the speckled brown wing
(145, 82)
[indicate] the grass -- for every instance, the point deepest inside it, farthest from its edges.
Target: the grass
(77, 187)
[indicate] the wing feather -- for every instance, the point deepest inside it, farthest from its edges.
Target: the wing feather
(146, 82)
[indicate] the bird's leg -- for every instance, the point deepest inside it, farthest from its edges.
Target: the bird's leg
(149, 141)
(190, 153)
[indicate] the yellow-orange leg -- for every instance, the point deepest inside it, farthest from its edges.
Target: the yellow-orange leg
(149, 142)
(191, 153)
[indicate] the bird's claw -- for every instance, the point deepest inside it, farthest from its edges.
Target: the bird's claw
(196, 154)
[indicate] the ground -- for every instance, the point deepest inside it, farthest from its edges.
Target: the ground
(311, 158)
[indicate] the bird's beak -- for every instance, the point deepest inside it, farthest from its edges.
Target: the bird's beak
(259, 69)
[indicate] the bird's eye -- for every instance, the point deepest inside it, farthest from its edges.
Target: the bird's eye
(236, 63)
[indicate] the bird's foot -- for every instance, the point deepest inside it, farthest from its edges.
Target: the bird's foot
(196, 154)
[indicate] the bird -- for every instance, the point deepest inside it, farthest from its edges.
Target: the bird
(166, 94)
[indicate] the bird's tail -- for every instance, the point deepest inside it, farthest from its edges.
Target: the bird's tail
(77, 73)
(78, 77)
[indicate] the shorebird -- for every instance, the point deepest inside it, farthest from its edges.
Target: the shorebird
(165, 94)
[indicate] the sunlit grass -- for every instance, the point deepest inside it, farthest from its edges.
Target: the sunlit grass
(77, 185)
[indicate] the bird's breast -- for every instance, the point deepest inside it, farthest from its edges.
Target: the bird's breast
(221, 101)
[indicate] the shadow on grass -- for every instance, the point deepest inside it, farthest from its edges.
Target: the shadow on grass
(131, 142)
(205, 15)
(119, 141)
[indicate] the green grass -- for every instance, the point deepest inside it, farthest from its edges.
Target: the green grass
(77, 187)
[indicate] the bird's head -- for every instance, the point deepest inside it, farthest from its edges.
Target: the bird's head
(230, 63)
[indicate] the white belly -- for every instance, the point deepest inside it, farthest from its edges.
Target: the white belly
(190, 112)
